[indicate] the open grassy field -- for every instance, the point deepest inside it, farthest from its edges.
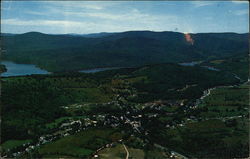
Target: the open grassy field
(210, 138)
(136, 153)
(10, 144)
(156, 154)
(226, 102)
(91, 95)
(82, 144)
(118, 152)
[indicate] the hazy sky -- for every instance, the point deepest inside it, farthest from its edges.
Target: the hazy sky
(60, 17)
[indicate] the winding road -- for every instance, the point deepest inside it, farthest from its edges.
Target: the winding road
(126, 151)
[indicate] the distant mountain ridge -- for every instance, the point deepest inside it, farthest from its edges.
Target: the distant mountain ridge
(69, 52)
(91, 35)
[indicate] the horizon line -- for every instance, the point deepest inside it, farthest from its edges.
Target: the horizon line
(122, 32)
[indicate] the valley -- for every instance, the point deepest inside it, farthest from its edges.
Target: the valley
(147, 109)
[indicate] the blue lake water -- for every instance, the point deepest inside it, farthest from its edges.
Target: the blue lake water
(14, 69)
(196, 63)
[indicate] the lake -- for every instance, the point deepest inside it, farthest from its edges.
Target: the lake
(14, 69)
(196, 63)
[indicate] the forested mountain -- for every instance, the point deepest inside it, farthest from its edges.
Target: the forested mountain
(126, 49)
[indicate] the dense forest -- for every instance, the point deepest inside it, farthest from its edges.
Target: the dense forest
(127, 49)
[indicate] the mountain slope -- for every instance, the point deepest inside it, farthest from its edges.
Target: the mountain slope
(126, 49)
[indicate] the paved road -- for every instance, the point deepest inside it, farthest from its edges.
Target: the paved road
(126, 151)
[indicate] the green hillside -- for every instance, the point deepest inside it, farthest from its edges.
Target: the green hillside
(135, 48)
(238, 65)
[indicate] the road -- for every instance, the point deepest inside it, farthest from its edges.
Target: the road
(176, 154)
(126, 151)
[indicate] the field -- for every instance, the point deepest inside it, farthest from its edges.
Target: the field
(82, 144)
(208, 138)
(221, 127)
(11, 144)
(115, 152)
(118, 152)
(226, 102)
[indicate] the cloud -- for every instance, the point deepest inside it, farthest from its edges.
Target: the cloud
(97, 18)
(93, 16)
(60, 26)
(37, 13)
(240, 2)
(86, 10)
(198, 4)
(19, 22)
(65, 26)
(78, 4)
(130, 16)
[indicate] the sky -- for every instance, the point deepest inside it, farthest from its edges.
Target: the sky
(84, 17)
